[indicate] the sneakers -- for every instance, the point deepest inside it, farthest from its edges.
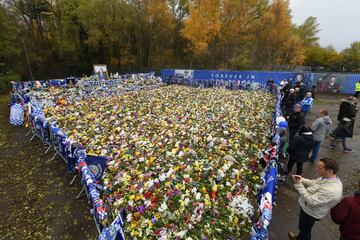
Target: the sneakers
(347, 150)
(292, 236)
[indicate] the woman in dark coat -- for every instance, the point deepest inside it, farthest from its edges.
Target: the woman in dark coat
(342, 131)
(299, 149)
(348, 110)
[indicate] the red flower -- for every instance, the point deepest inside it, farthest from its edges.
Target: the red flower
(154, 199)
(148, 195)
(213, 194)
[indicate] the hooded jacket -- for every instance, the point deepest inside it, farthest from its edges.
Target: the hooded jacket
(320, 127)
(346, 214)
(300, 146)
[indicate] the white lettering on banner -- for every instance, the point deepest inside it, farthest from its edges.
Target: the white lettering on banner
(217, 75)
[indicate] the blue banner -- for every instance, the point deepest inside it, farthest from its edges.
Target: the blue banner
(324, 82)
(214, 75)
(97, 165)
(270, 180)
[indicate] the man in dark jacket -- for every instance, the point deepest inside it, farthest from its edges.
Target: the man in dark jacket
(348, 110)
(290, 101)
(295, 120)
(347, 215)
(302, 91)
(299, 149)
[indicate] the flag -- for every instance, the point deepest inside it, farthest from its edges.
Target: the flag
(97, 165)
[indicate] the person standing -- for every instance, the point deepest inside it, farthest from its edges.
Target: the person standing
(295, 120)
(306, 103)
(348, 110)
(342, 131)
(299, 149)
(290, 101)
(347, 215)
(317, 197)
(320, 127)
(357, 89)
(303, 89)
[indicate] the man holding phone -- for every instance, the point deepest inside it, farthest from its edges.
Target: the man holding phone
(317, 196)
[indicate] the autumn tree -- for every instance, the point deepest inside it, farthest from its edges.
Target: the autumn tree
(202, 25)
(276, 43)
(317, 56)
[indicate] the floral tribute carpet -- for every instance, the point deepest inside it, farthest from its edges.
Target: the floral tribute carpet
(184, 161)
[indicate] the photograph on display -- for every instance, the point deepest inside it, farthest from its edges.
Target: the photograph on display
(101, 71)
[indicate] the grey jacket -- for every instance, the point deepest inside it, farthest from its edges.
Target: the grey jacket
(320, 127)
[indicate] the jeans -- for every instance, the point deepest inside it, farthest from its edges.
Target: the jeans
(306, 222)
(315, 151)
(305, 112)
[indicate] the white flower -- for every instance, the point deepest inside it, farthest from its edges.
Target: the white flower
(181, 234)
(162, 177)
(128, 217)
(197, 196)
(163, 207)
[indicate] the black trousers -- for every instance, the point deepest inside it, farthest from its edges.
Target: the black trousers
(306, 222)
(292, 133)
(291, 163)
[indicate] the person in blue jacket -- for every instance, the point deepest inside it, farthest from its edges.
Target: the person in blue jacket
(306, 103)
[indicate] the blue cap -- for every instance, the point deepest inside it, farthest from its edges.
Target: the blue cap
(283, 124)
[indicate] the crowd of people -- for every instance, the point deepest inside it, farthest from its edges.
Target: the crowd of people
(323, 195)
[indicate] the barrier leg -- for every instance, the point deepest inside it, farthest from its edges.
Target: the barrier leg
(97, 224)
(73, 180)
(81, 193)
(47, 149)
(28, 133)
(32, 137)
(53, 157)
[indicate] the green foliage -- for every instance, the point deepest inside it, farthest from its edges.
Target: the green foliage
(351, 57)
(308, 31)
(5, 81)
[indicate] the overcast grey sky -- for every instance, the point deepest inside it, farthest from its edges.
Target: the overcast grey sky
(339, 20)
